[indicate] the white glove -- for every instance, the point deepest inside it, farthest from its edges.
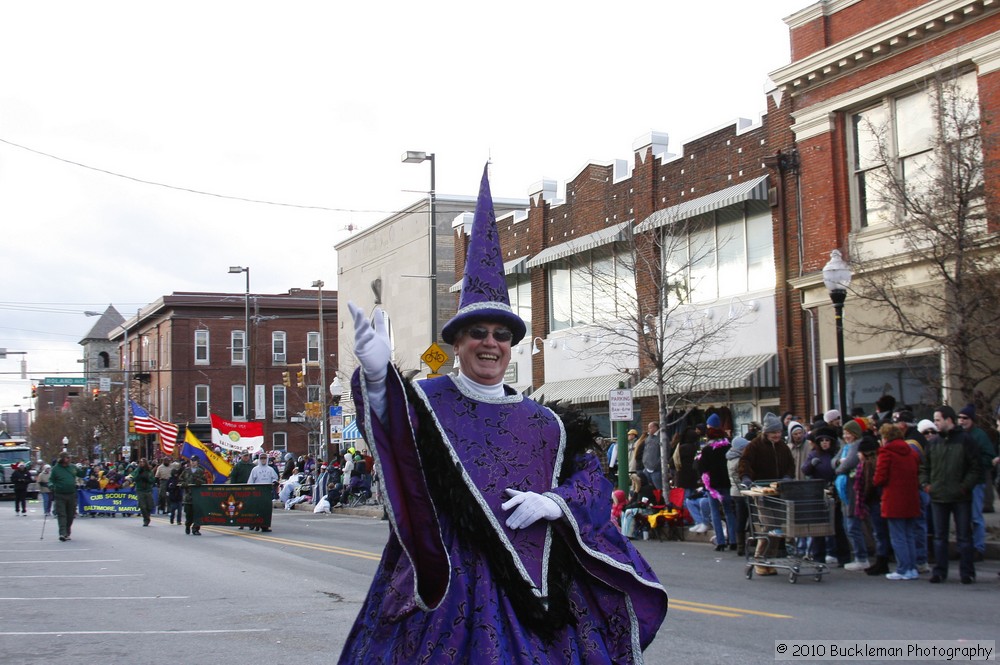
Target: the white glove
(531, 507)
(371, 344)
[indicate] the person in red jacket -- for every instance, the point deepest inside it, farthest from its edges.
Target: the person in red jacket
(897, 473)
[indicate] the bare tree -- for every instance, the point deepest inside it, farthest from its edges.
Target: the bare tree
(939, 286)
(645, 318)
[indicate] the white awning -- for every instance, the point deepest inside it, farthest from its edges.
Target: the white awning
(578, 391)
(759, 371)
(755, 189)
(515, 267)
(351, 431)
(606, 236)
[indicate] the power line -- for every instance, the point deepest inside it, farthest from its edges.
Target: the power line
(188, 189)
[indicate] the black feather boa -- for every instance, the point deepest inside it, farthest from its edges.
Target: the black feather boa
(453, 498)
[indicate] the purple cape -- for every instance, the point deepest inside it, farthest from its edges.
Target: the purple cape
(454, 583)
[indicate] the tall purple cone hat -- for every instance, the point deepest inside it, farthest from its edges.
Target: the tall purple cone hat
(484, 285)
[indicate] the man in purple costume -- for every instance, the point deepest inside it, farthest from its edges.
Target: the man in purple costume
(502, 549)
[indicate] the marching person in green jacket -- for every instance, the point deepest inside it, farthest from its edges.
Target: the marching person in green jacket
(143, 479)
(193, 476)
(62, 482)
(949, 472)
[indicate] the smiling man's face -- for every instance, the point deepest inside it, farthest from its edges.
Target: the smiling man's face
(484, 360)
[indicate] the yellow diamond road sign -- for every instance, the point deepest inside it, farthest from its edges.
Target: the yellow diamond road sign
(434, 356)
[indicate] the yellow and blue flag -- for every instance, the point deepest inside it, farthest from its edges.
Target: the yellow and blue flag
(211, 460)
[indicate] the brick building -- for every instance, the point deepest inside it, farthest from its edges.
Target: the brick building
(188, 352)
(865, 71)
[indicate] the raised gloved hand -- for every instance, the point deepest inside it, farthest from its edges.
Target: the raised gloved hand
(529, 508)
(814, 461)
(371, 343)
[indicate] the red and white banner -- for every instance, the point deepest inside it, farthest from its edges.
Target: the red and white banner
(238, 436)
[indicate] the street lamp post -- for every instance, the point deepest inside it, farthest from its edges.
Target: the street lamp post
(837, 277)
(246, 338)
(324, 438)
(415, 157)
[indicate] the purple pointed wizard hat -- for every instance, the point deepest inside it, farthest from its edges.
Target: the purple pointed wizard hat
(484, 285)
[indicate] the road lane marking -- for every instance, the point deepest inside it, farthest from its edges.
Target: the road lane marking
(98, 598)
(332, 549)
(721, 610)
(137, 632)
(70, 561)
(72, 577)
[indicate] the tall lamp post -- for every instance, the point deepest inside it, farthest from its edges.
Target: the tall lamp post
(415, 157)
(323, 437)
(837, 277)
(246, 337)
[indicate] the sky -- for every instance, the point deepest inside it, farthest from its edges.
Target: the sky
(145, 147)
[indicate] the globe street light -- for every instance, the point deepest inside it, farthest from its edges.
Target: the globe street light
(837, 277)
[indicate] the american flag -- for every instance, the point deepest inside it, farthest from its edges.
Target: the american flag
(147, 424)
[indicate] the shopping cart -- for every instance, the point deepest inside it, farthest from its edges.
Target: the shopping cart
(774, 517)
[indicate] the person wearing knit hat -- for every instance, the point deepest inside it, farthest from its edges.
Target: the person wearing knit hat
(926, 427)
(477, 476)
(798, 445)
(967, 421)
(767, 458)
(714, 421)
(832, 417)
(854, 428)
(949, 472)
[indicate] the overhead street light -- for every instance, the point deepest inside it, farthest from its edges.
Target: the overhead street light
(235, 270)
(324, 420)
(416, 157)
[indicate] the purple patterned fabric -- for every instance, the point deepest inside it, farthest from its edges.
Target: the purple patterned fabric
(438, 595)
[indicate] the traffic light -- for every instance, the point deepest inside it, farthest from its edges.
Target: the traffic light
(95, 392)
(286, 379)
(34, 392)
(301, 376)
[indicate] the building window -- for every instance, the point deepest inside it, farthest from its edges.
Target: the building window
(279, 441)
(278, 402)
(721, 254)
(278, 348)
(519, 292)
(312, 347)
(314, 393)
(912, 381)
(239, 402)
(104, 360)
(238, 347)
(201, 393)
(894, 140)
(593, 286)
(200, 347)
(316, 445)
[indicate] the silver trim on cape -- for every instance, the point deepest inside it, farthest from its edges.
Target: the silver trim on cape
(388, 504)
(487, 511)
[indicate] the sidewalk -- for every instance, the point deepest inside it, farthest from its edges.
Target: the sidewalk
(374, 512)
(992, 534)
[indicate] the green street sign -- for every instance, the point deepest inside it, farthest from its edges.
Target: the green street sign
(64, 381)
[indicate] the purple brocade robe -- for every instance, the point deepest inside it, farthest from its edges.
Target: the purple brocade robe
(455, 585)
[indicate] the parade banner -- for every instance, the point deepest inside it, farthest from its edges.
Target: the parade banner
(109, 502)
(232, 505)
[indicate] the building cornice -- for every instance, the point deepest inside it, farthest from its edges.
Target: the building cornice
(901, 33)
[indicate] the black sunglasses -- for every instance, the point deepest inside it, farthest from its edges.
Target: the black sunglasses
(500, 334)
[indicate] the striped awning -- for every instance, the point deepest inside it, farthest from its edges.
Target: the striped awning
(615, 233)
(514, 267)
(755, 189)
(759, 371)
(351, 431)
(578, 391)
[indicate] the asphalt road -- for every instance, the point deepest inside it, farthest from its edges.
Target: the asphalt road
(119, 592)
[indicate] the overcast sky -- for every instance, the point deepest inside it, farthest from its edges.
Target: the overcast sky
(311, 104)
